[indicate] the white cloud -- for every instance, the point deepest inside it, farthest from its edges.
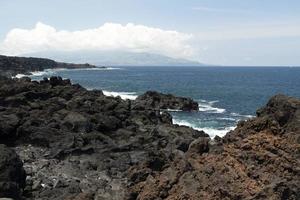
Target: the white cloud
(110, 36)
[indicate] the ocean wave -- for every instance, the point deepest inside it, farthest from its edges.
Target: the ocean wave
(212, 132)
(171, 110)
(213, 102)
(227, 118)
(90, 69)
(42, 73)
(217, 132)
(123, 95)
(207, 106)
(113, 68)
(239, 115)
(19, 76)
(48, 72)
(34, 74)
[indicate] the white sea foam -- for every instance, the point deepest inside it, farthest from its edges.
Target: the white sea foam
(227, 118)
(239, 115)
(48, 72)
(91, 69)
(212, 132)
(123, 95)
(113, 68)
(171, 110)
(41, 73)
(33, 74)
(19, 76)
(212, 102)
(217, 132)
(207, 106)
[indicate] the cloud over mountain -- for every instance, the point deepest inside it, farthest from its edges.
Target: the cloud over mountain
(110, 36)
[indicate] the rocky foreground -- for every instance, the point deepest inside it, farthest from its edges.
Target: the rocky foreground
(260, 159)
(60, 141)
(11, 66)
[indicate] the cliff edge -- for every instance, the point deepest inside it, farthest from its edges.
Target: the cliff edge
(11, 66)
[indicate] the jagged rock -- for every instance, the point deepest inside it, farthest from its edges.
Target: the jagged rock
(280, 190)
(54, 81)
(285, 110)
(201, 145)
(154, 100)
(76, 122)
(257, 160)
(68, 136)
(8, 126)
(79, 144)
(12, 174)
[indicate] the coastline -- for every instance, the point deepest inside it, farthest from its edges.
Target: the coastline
(127, 146)
(59, 140)
(205, 107)
(49, 72)
(11, 66)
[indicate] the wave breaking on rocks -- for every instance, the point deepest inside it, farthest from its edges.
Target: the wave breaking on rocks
(61, 141)
(77, 144)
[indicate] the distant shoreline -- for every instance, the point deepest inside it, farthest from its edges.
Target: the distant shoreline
(206, 66)
(11, 66)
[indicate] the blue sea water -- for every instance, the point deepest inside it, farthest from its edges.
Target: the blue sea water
(225, 94)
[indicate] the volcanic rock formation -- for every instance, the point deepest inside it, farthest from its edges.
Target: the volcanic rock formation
(75, 142)
(12, 174)
(61, 141)
(260, 159)
(155, 100)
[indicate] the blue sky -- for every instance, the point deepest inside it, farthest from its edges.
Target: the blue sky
(227, 32)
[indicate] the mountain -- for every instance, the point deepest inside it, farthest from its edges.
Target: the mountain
(115, 58)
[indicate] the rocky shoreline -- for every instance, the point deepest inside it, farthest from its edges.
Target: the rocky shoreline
(11, 66)
(61, 141)
(260, 159)
(71, 139)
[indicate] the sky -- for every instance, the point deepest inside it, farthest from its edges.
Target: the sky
(222, 32)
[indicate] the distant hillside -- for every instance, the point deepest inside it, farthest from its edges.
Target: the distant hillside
(11, 66)
(115, 58)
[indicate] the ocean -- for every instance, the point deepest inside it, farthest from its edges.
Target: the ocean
(225, 94)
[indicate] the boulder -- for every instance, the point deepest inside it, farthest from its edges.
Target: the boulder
(8, 126)
(199, 146)
(283, 109)
(158, 101)
(76, 122)
(55, 81)
(12, 174)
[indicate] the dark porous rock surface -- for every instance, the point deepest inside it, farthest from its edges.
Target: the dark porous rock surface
(156, 100)
(260, 159)
(11, 66)
(79, 144)
(12, 174)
